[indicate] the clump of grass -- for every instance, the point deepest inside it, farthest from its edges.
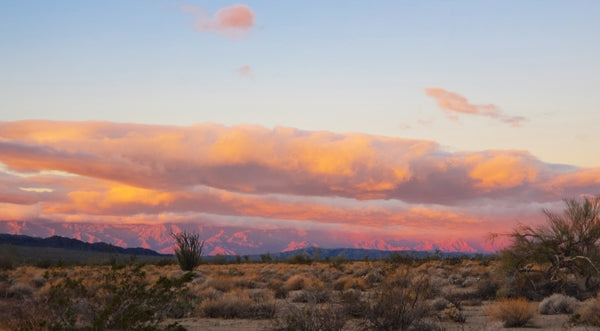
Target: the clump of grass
(20, 290)
(295, 283)
(223, 284)
(349, 282)
(512, 312)
(316, 294)
(237, 305)
(312, 317)
(558, 304)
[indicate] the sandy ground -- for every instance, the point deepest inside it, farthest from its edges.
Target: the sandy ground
(476, 320)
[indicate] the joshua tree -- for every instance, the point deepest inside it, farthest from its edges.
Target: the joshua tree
(188, 249)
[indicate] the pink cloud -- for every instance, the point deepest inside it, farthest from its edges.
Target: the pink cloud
(452, 103)
(234, 22)
(245, 71)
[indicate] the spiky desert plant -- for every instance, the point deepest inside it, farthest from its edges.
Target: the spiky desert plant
(188, 249)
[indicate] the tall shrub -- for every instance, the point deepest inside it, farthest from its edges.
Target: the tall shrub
(188, 249)
(567, 244)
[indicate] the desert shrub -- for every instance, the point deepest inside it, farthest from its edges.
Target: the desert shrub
(237, 305)
(312, 317)
(223, 284)
(296, 282)
(338, 262)
(188, 250)
(20, 290)
(122, 300)
(512, 312)
(439, 304)
(7, 257)
(486, 289)
(39, 280)
(315, 294)
(353, 304)
(588, 313)
(260, 295)
(245, 283)
(300, 259)
(398, 303)
(348, 282)
(44, 264)
(219, 259)
(451, 312)
(373, 277)
(164, 262)
(565, 246)
(558, 304)
(455, 279)
(131, 302)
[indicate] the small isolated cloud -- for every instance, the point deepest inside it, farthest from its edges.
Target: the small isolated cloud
(233, 22)
(427, 122)
(245, 71)
(452, 103)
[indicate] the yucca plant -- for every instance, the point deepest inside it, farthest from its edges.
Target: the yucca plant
(188, 250)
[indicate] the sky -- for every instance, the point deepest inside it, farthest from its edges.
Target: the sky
(387, 119)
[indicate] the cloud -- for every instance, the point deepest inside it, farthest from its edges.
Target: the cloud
(132, 173)
(245, 71)
(233, 22)
(452, 103)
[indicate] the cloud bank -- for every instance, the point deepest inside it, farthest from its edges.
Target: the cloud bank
(453, 103)
(131, 173)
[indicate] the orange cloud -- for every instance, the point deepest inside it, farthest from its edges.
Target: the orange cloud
(281, 161)
(234, 22)
(452, 103)
(501, 169)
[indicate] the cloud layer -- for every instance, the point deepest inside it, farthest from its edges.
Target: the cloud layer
(453, 103)
(400, 188)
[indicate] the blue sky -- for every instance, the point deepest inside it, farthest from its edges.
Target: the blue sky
(351, 66)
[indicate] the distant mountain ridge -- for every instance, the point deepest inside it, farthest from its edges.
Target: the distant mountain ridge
(72, 244)
(309, 252)
(234, 239)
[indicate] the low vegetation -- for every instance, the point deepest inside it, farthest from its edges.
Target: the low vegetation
(512, 312)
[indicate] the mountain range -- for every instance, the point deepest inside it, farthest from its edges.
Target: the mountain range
(309, 252)
(224, 240)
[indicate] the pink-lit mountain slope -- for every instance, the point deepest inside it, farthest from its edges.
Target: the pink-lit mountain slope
(229, 240)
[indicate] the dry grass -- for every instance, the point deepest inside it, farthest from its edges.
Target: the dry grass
(237, 304)
(296, 282)
(512, 312)
(362, 293)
